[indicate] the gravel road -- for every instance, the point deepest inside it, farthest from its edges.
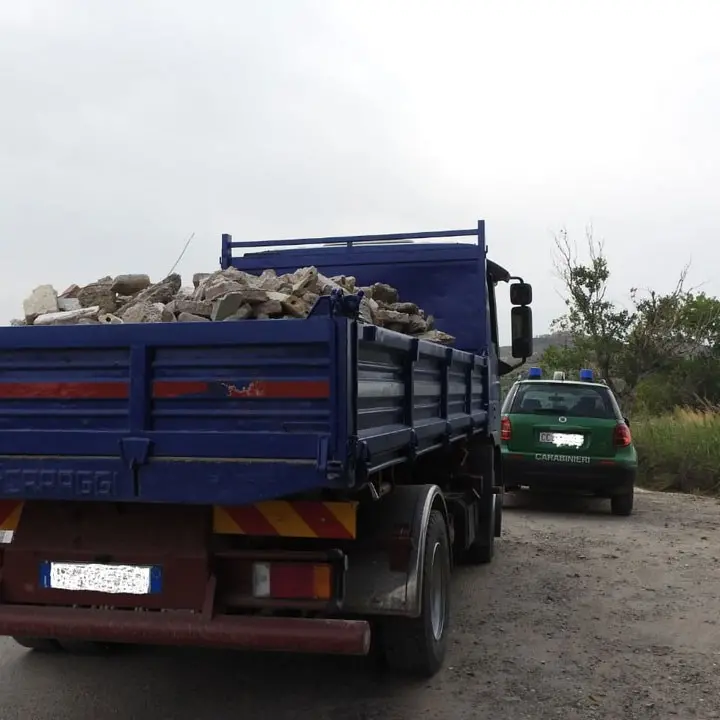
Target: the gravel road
(582, 615)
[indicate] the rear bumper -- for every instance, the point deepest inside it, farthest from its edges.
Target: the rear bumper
(524, 469)
(302, 635)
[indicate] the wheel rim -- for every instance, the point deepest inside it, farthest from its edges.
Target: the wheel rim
(438, 601)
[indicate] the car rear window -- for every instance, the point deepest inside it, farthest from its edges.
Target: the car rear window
(560, 399)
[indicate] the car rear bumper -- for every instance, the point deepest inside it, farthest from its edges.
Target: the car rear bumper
(597, 476)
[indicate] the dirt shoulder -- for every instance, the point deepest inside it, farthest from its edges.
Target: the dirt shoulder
(582, 615)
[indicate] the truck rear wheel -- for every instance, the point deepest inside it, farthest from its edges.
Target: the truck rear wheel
(417, 646)
(498, 514)
(39, 644)
(482, 549)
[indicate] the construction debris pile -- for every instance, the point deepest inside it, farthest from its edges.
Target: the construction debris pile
(226, 295)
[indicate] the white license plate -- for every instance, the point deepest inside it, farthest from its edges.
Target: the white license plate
(96, 577)
(562, 439)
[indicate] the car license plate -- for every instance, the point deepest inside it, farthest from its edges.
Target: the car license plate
(97, 577)
(562, 439)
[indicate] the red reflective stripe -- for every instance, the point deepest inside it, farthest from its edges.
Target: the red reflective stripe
(321, 520)
(251, 520)
(290, 389)
(174, 389)
(287, 389)
(64, 390)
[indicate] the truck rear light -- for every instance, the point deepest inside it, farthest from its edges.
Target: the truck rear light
(505, 429)
(292, 581)
(622, 437)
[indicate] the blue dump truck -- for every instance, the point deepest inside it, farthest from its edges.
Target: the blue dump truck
(298, 485)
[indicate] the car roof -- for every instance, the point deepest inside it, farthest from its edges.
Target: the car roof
(576, 383)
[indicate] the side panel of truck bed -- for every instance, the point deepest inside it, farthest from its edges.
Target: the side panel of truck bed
(209, 413)
(226, 413)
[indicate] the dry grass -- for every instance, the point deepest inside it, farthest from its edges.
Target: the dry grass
(680, 451)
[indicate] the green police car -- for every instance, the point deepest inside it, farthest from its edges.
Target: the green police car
(568, 436)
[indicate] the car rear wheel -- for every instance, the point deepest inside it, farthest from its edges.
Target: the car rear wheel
(622, 504)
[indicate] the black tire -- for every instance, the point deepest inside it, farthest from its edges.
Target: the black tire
(482, 550)
(622, 504)
(498, 514)
(38, 644)
(87, 647)
(417, 646)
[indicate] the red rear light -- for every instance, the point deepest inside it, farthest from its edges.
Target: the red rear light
(622, 437)
(292, 581)
(505, 429)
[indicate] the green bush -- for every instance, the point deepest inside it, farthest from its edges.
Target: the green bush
(679, 451)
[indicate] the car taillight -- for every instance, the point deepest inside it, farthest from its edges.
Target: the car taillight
(505, 429)
(622, 437)
(292, 581)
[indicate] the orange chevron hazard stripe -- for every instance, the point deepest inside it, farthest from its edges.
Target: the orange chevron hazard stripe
(295, 518)
(10, 511)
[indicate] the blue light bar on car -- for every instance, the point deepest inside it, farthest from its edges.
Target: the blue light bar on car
(586, 374)
(534, 372)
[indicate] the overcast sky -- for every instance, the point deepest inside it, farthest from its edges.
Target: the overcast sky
(125, 126)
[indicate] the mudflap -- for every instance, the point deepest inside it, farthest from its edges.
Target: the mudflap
(384, 575)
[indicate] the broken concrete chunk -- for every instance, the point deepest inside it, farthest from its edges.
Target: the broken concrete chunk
(66, 303)
(68, 317)
(70, 292)
(244, 312)
(162, 292)
(42, 300)
(165, 314)
(270, 308)
(437, 336)
(193, 307)
(416, 325)
(199, 278)
(230, 303)
(100, 294)
(368, 310)
(346, 282)
(130, 284)
(189, 317)
(405, 307)
(325, 285)
(384, 293)
(303, 279)
(385, 317)
(185, 293)
(226, 295)
(18, 322)
(109, 319)
(143, 312)
(214, 289)
(269, 280)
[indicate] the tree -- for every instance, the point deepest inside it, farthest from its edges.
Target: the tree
(596, 326)
(674, 335)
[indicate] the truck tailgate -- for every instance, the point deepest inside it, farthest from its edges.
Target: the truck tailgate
(226, 413)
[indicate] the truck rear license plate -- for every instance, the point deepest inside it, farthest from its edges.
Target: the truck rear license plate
(562, 439)
(97, 577)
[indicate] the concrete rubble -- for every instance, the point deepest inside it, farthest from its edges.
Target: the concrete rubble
(223, 296)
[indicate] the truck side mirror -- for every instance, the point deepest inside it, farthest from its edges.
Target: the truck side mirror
(521, 293)
(522, 332)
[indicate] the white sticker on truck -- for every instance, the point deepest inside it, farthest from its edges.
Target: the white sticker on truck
(547, 457)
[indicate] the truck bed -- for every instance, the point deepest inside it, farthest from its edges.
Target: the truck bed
(223, 413)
